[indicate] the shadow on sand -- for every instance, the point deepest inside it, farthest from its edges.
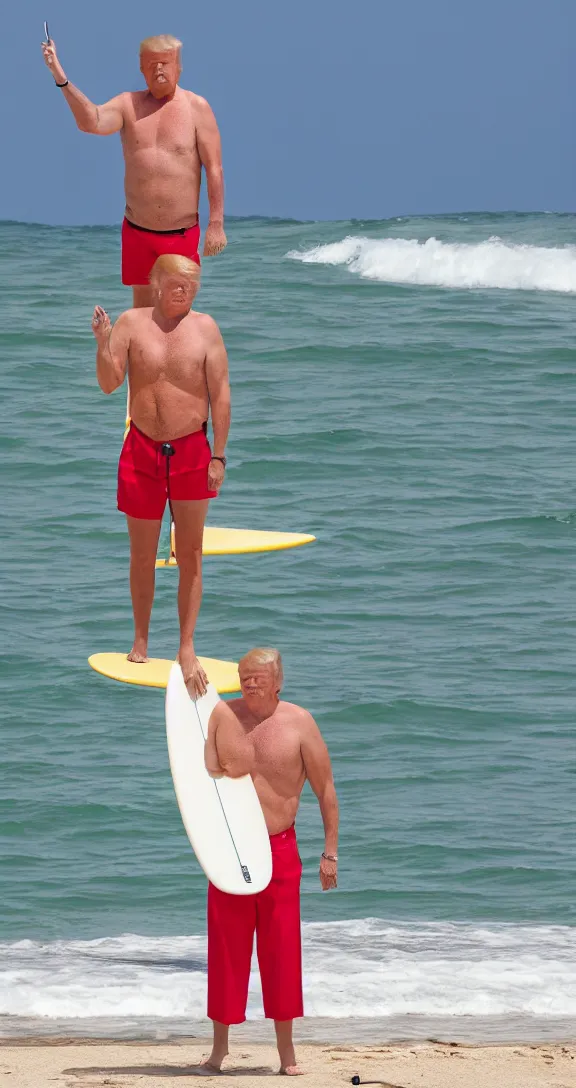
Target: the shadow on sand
(169, 1071)
(191, 1071)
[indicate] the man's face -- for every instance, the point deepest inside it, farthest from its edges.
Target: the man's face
(259, 683)
(161, 72)
(176, 294)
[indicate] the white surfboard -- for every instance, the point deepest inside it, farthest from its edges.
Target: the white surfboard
(222, 816)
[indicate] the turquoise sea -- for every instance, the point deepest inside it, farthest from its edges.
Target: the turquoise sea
(405, 391)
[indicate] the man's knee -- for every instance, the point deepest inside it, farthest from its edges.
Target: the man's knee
(189, 557)
(142, 562)
(143, 552)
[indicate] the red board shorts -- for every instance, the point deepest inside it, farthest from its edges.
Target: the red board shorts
(148, 476)
(141, 247)
(274, 915)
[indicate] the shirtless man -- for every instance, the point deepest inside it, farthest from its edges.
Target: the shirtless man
(280, 745)
(178, 373)
(168, 135)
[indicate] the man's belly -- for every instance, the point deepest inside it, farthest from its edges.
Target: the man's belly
(162, 189)
(279, 811)
(164, 413)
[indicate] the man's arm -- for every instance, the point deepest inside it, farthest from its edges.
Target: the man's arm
(227, 750)
(319, 774)
(218, 383)
(112, 351)
(99, 120)
(210, 151)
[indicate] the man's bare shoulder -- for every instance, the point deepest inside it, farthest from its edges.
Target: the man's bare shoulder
(297, 716)
(134, 100)
(226, 707)
(226, 710)
(136, 316)
(134, 325)
(122, 102)
(199, 104)
(209, 328)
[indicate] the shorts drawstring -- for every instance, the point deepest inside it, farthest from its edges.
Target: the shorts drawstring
(168, 451)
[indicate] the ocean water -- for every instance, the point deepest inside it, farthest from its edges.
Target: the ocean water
(405, 391)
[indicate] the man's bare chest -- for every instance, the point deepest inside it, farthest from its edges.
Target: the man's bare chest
(277, 754)
(173, 357)
(171, 128)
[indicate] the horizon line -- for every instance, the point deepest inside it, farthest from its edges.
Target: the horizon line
(300, 222)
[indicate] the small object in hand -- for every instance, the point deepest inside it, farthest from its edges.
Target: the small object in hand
(355, 1079)
(46, 33)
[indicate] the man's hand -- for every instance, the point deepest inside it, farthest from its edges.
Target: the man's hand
(328, 874)
(101, 324)
(52, 62)
(214, 240)
(216, 472)
(194, 676)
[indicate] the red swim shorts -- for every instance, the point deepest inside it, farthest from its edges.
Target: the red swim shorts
(141, 247)
(149, 475)
(274, 915)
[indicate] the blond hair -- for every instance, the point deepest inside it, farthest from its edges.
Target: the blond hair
(264, 655)
(174, 264)
(160, 43)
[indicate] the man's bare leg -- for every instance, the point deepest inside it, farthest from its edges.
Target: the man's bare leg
(144, 536)
(189, 518)
(143, 296)
(286, 1048)
(219, 1046)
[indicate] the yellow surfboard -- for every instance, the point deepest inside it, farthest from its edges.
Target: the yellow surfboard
(155, 672)
(219, 541)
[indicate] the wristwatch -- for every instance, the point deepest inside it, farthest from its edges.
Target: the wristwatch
(330, 857)
(222, 459)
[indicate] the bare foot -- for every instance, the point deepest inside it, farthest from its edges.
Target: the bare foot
(288, 1064)
(194, 676)
(213, 1064)
(139, 652)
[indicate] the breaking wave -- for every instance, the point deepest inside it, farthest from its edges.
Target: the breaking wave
(492, 263)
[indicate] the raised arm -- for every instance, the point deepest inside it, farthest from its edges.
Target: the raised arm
(319, 774)
(112, 352)
(219, 396)
(228, 751)
(99, 120)
(210, 151)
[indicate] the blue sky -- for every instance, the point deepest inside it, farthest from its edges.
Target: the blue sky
(327, 110)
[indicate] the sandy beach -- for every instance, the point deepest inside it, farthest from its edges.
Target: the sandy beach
(35, 1063)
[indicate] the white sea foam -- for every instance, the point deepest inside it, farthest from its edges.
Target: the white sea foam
(363, 968)
(492, 263)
